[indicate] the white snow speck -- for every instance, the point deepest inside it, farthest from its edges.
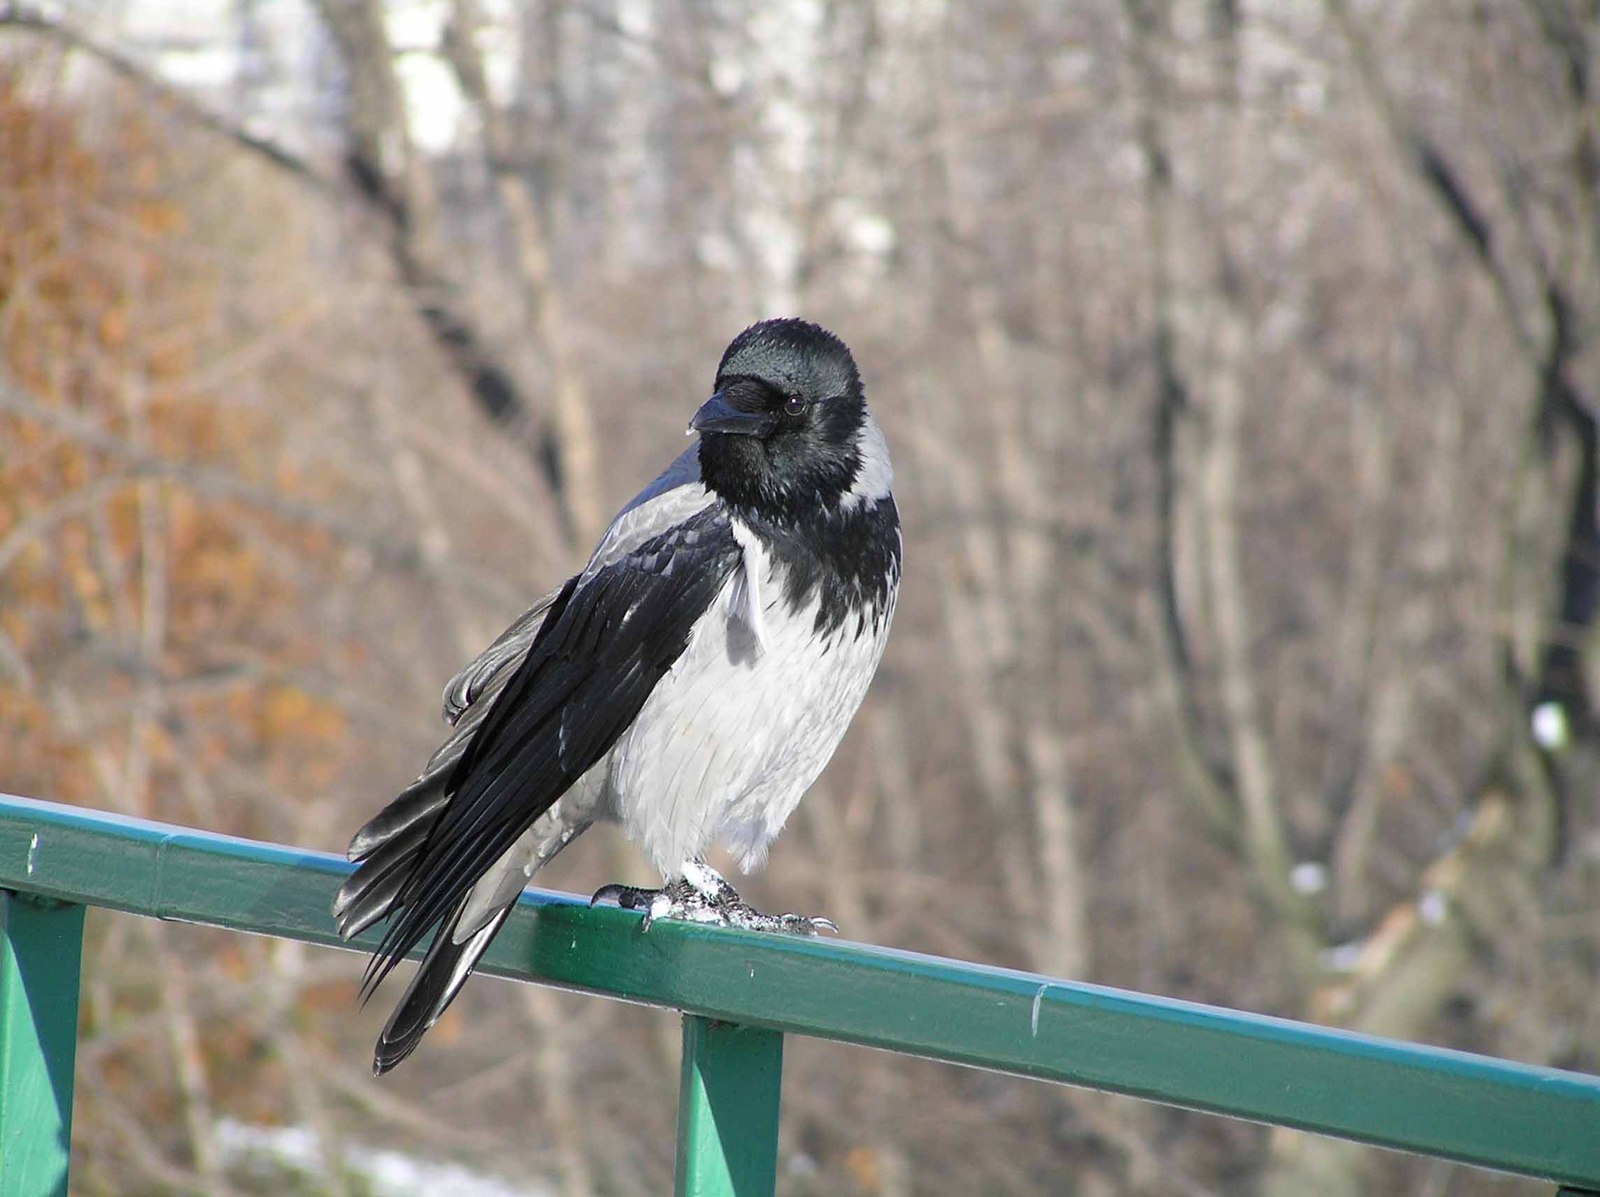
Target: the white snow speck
(1550, 729)
(1433, 907)
(1309, 877)
(1342, 958)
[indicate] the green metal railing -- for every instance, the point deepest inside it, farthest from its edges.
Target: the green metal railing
(740, 993)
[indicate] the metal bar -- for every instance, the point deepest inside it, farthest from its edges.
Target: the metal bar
(1453, 1105)
(728, 1096)
(41, 951)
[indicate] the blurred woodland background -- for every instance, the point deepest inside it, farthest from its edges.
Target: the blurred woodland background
(1240, 365)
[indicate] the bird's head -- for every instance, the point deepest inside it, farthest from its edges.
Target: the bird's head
(787, 431)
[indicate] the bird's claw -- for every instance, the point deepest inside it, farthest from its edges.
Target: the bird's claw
(703, 896)
(740, 914)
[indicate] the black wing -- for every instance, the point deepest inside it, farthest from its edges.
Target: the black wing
(601, 650)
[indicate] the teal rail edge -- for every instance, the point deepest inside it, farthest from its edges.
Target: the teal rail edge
(1538, 1122)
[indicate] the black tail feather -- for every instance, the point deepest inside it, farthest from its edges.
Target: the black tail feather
(439, 978)
(417, 806)
(369, 895)
(387, 849)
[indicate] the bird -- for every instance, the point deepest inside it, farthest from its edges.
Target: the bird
(689, 683)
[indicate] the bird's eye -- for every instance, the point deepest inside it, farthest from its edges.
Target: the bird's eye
(795, 405)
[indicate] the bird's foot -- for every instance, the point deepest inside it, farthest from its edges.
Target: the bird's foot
(702, 895)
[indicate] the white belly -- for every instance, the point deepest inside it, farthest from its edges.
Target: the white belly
(737, 731)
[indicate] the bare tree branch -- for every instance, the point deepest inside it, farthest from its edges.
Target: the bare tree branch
(575, 439)
(27, 19)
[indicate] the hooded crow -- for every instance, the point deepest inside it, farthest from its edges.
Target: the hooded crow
(690, 683)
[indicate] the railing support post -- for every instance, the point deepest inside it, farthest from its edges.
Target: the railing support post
(41, 951)
(728, 1110)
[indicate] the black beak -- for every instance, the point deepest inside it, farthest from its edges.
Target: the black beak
(716, 414)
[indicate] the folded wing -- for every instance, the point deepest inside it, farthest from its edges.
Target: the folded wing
(528, 723)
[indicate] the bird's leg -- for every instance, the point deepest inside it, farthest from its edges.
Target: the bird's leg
(716, 893)
(702, 895)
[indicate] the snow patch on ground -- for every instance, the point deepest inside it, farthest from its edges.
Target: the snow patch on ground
(387, 1173)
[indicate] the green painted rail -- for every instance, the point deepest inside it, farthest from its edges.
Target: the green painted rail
(740, 993)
